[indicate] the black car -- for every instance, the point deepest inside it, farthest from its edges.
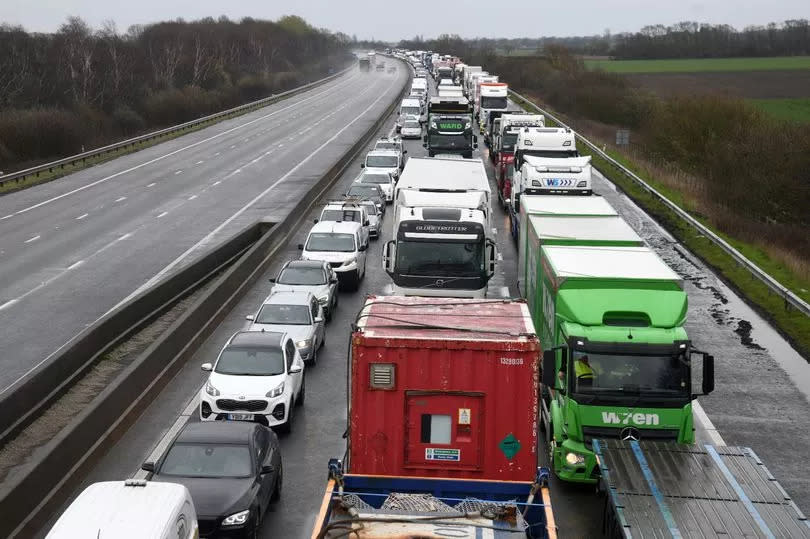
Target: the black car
(369, 191)
(232, 470)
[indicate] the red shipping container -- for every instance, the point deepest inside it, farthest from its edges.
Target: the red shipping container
(444, 387)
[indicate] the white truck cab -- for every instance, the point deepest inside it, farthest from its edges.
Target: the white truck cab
(130, 509)
(551, 176)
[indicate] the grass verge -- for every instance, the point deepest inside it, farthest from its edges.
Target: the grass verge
(696, 65)
(791, 323)
(791, 110)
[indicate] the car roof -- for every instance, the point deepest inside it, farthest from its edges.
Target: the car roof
(304, 264)
(358, 181)
(289, 297)
(344, 227)
(264, 339)
(217, 432)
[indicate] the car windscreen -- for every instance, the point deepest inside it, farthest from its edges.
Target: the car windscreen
(328, 241)
(302, 276)
(416, 111)
(411, 124)
(376, 178)
(381, 161)
(264, 361)
(297, 315)
(490, 102)
(340, 215)
(368, 190)
(207, 460)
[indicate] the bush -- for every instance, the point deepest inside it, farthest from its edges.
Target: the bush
(35, 134)
(128, 121)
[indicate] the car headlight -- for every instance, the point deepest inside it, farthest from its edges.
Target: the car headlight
(574, 459)
(323, 299)
(583, 183)
(237, 518)
(303, 343)
(211, 390)
(275, 392)
(350, 261)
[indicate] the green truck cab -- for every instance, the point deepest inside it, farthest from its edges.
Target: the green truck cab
(617, 362)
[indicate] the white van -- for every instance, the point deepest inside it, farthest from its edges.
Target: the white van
(410, 107)
(129, 509)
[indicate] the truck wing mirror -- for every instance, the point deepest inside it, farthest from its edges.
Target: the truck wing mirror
(492, 257)
(388, 256)
(550, 369)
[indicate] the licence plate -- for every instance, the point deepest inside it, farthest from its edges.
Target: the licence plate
(240, 417)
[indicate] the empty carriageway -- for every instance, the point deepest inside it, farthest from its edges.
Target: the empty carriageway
(74, 248)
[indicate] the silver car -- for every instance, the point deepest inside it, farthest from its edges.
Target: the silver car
(314, 276)
(299, 315)
(374, 218)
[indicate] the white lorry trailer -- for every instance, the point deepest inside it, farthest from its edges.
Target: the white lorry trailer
(443, 243)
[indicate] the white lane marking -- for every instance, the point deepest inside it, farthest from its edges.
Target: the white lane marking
(151, 184)
(35, 238)
(217, 182)
(6, 217)
(709, 428)
(162, 215)
(178, 172)
(167, 438)
(120, 199)
(82, 216)
(280, 144)
(192, 197)
(268, 152)
(175, 152)
(217, 154)
(504, 291)
(125, 236)
(200, 162)
(250, 204)
(9, 303)
(233, 146)
(75, 265)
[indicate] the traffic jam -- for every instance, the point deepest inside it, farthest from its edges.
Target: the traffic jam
(456, 390)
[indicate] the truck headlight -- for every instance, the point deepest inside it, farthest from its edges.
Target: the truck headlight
(237, 518)
(211, 390)
(275, 392)
(303, 343)
(573, 459)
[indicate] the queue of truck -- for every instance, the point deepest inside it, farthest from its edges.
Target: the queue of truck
(454, 395)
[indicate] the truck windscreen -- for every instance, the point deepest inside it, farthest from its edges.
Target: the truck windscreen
(508, 143)
(449, 142)
(490, 102)
(440, 259)
(631, 375)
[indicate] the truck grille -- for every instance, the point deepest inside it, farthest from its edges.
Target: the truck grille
(231, 405)
(615, 432)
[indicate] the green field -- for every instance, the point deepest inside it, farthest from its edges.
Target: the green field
(794, 110)
(698, 65)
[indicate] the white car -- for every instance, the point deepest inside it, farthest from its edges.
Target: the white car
(384, 179)
(395, 144)
(258, 376)
(341, 245)
(339, 211)
(384, 161)
(411, 129)
(375, 218)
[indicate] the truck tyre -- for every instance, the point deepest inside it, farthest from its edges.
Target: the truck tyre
(467, 155)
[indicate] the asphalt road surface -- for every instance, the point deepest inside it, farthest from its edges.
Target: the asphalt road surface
(72, 249)
(750, 382)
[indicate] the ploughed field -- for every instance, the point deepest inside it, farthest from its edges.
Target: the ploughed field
(778, 86)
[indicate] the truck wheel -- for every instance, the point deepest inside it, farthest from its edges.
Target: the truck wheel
(467, 155)
(431, 154)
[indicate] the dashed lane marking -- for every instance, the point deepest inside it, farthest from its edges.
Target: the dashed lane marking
(192, 197)
(178, 172)
(82, 216)
(120, 199)
(35, 238)
(162, 215)
(151, 184)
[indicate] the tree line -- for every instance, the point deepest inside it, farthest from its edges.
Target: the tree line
(682, 40)
(81, 87)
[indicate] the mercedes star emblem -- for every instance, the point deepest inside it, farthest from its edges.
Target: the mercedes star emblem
(630, 434)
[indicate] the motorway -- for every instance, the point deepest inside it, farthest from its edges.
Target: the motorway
(72, 249)
(756, 402)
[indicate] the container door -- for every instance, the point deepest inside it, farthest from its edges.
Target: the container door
(444, 430)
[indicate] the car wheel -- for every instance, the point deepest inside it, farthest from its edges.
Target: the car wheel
(328, 314)
(279, 484)
(323, 340)
(311, 362)
(302, 393)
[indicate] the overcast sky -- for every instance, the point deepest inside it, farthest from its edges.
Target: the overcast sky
(398, 19)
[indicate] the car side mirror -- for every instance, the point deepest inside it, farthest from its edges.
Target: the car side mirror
(315, 221)
(362, 165)
(268, 468)
(361, 248)
(295, 368)
(300, 246)
(404, 152)
(148, 466)
(272, 279)
(250, 318)
(550, 369)
(318, 319)
(365, 223)
(333, 281)
(207, 367)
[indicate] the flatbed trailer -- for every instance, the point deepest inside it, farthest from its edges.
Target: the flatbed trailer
(376, 507)
(657, 489)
